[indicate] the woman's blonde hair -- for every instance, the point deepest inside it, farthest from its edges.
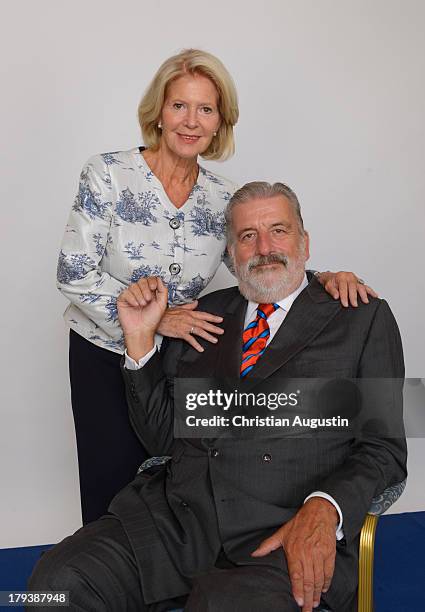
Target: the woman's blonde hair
(192, 61)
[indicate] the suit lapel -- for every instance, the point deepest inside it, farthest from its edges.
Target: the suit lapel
(230, 344)
(309, 314)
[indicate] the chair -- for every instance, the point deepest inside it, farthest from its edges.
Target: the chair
(380, 504)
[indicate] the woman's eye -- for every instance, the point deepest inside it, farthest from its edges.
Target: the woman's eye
(207, 110)
(177, 105)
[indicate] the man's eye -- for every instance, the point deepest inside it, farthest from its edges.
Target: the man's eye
(247, 237)
(279, 230)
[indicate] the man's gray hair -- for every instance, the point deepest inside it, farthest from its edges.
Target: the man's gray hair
(261, 190)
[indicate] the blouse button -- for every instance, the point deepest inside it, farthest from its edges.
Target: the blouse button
(174, 223)
(267, 457)
(175, 268)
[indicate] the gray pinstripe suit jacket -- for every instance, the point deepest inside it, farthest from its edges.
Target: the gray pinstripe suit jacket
(179, 517)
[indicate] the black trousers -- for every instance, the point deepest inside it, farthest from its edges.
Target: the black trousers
(96, 565)
(109, 451)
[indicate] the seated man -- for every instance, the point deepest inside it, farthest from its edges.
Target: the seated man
(241, 524)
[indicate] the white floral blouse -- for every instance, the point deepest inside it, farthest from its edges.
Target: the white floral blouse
(122, 227)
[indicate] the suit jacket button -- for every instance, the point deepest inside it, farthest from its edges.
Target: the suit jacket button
(267, 457)
(214, 452)
(184, 504)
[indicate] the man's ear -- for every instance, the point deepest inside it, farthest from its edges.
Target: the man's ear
(306, 246)
(229, 259)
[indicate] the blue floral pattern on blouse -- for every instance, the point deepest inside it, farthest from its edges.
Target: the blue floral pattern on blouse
(122, 227)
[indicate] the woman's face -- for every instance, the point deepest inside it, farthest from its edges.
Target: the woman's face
(190, 115)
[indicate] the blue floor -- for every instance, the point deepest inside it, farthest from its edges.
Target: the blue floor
(16, 566)
(399, 579)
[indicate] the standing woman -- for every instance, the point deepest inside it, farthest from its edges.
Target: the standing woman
(149, 211)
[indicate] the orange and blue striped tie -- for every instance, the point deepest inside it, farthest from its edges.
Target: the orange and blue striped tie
(255, 337)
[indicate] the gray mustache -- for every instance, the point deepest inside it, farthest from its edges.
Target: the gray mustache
(261, 260)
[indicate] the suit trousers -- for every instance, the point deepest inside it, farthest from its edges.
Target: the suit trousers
(97, 566)
(109, 452)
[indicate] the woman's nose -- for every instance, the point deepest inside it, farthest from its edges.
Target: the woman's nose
(192, 118)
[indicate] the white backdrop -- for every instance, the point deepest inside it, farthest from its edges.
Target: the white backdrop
(332, 99)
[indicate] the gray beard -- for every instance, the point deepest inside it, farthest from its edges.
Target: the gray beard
(270, 286)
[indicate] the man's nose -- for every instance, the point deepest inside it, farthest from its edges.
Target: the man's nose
(264, 246)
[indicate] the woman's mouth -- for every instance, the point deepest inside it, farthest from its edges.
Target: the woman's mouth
(188, 138)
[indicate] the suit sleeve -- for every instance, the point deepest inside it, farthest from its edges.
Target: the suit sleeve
(375, 461)
(150, 398)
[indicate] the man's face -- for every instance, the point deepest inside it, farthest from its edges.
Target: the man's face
(268, 249)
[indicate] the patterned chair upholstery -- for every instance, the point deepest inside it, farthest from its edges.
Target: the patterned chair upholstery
(380, 504)
(153, 462)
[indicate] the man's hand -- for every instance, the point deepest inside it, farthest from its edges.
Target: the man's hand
(140, 310)
(309, 542)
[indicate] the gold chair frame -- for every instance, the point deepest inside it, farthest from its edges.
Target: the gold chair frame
(366, 556)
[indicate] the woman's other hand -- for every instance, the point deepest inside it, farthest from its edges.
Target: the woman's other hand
(185, 322)
(346, 286)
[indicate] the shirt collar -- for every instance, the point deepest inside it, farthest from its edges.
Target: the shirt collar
(285, 304)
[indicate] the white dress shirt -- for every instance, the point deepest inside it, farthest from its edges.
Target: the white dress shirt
(275, 320)
(277, 317)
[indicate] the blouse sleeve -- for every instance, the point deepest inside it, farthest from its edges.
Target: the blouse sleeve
(79, 273)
